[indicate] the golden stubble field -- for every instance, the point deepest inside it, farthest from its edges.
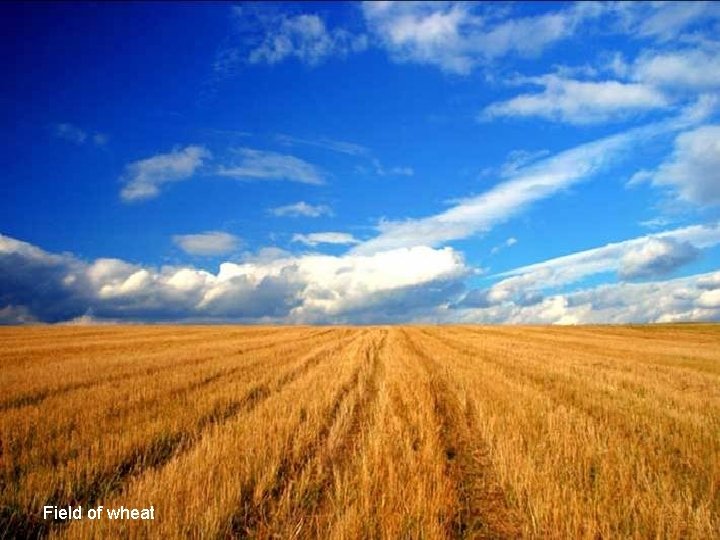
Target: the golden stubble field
(363, 432)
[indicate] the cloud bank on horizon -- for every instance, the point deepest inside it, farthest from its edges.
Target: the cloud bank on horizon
(376, 162)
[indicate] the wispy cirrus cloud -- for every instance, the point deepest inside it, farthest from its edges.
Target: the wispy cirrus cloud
(145, 178)
(510, 242)
(74, 134)
(374, 166)
(301, 209)
(343, 147)
(527, 185)
(264, 165)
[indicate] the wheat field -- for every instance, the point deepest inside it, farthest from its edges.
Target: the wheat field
(362, 432)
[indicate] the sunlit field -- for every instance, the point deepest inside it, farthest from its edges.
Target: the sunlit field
(362, 432)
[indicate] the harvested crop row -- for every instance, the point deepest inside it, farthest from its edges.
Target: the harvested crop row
(96, 460)
(375, 432)
(594, 443)
(234, 467)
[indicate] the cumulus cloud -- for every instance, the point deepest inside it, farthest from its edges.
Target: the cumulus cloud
(578, 102)
(456, 37)
(662, 252)
(74, 134)
(710, 282)
(16, 315)
(145, 178)
(663, 21)
(649, 256)
(313, 239)
(207, 243)
(710, 299)
(404, 284)
(262, 165)
(693, 170)
(656, 256)
(304, 37)
(37, 285)
(675, 300)
(301, 208)
(695, 69)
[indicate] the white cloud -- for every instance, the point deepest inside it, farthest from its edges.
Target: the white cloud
(710, 282)
(350, 149)
(710, 299)
(100, 139)
(519, 159)
(693, 170)
(405, 284)
(207, 243)
(457, 37)
(646, 256)
(38, 285)
(89, 320)
(675, 300)
(342, 147)
(656, 256)
(694, 69)
(510, 242)
(537, 181)
(70, 133)
(261, 165)
(655, 223)
(303, 37)
(380, 170)
(16, 315)
(313, 239)
(301, 208)
(74, 134)
(143, 179)
(578, 102)
(663, 21)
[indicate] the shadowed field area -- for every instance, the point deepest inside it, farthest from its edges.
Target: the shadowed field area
(363, 432)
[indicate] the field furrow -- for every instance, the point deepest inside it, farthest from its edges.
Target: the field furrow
(419, 432)
(482, 510)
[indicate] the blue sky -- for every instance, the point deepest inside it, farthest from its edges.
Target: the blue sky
(360, 162)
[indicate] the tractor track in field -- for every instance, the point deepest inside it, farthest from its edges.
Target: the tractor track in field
(585, 402)
(16, 522)
(254, 520)
(482, 511)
